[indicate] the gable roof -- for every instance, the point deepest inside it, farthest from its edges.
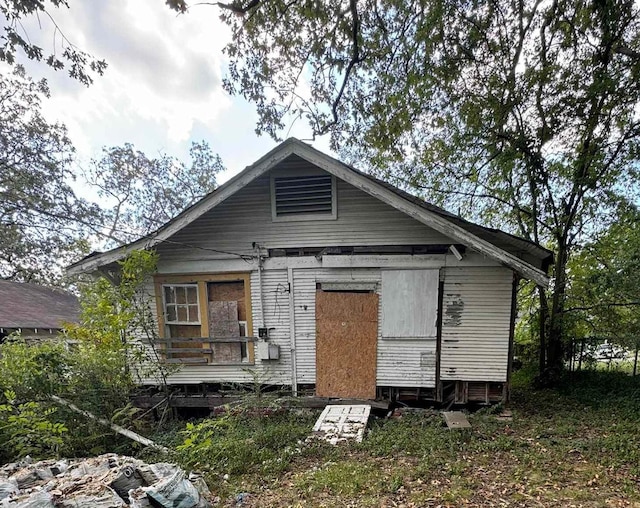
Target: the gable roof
(32, 306)
(492, 243)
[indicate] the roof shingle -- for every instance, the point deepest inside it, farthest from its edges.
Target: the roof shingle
(24, 305)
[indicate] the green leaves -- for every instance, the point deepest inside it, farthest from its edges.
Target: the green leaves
(27, 429)
(522, 115)
(81, 66)
(43, 224)
(604, 299)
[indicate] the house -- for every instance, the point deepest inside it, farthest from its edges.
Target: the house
(35, 311)
(302, 271)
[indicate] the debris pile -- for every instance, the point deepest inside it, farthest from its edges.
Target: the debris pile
(107, 481)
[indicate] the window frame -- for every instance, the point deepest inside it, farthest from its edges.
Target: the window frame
(201, 280)
(176, 305)
(333, 215)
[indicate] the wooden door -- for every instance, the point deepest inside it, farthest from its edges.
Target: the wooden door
(346, 344)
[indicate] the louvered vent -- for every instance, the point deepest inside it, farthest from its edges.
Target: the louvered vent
(303, 195)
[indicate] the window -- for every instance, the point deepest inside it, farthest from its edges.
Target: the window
(205, 319)
(303, 197)
(409, 304)
(181, 304)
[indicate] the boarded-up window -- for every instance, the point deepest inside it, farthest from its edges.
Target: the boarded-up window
(409, 304)
(227, 319)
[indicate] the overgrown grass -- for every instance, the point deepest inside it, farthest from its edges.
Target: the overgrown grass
(576, 445)
(245, 441)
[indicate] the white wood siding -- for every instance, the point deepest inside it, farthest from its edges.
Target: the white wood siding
(400, 362)
(209, 243)
(245, 218)
(476, 318)
(304, 301)
(475, 336)
(407, 363)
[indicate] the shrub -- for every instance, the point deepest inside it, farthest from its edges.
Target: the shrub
(26, 429)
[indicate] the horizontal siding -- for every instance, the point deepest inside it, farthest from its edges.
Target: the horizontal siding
(407, 363)
(476, 319)
(474, 343)
(245, 218)
(304, 284)
(304, 301)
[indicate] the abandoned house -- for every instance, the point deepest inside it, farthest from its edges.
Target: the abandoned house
(303, 272)
(35, 312)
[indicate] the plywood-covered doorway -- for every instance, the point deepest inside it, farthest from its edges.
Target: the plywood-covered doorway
(346, 344)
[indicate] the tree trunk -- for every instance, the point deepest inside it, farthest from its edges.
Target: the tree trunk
(635, 361)
(544, 317)
(556, 325)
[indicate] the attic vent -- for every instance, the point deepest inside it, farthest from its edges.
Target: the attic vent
(303, 197)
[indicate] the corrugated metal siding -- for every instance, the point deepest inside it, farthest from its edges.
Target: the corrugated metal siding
(410, 363)
(304, 301)
(245, 218)
(476, 318)
(407, 363)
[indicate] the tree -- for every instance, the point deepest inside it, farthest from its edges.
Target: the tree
(43, 224)
(142, 193)
(63, 54)
(523, 113)
(603, 297)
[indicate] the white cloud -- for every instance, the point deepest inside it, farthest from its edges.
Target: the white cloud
(162, 87)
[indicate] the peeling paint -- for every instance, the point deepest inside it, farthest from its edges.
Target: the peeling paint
(453, 307)
(428, 359)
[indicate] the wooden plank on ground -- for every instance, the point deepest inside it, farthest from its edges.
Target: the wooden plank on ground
(456, 420)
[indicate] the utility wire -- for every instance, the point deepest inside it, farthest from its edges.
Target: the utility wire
(244, 257)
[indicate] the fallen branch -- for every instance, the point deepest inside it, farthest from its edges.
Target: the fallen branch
(116, 428)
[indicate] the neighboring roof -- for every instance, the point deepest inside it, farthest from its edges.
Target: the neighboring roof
(32, 306)
(493, 243)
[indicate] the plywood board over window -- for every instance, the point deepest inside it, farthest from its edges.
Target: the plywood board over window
(409, 304)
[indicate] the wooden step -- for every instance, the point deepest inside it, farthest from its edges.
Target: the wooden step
(456, 420)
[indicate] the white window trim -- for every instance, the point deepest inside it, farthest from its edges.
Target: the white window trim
(303, 217)
(164, 305)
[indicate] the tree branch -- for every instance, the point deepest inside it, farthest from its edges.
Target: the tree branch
(355, 59)
(603, 305)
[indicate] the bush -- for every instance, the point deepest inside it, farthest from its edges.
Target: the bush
(26, 429)
(93, 371)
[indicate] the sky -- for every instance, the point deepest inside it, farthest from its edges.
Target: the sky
(162, 88)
